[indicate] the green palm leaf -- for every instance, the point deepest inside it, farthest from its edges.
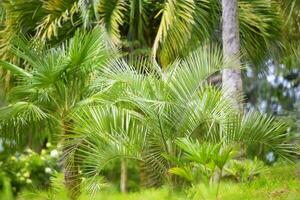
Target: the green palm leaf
(111, 15)
(105, 133)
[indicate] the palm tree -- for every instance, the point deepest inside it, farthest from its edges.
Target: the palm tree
(176, 26)
(291, 53)
(145, 109)
(231, 78)
(54, 83)
(180, 23)
(187, 24)
(55, 21)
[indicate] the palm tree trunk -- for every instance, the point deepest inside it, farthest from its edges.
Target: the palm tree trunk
(231, 78)
(71, 177)
(123, 178)
(71, 169)
(143, 174)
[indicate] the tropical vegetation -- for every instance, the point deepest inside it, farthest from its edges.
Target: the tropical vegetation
(154, 97)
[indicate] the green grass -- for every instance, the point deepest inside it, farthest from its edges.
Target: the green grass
(281, 182)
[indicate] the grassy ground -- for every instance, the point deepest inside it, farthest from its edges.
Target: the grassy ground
(282, 182)
(279, 183)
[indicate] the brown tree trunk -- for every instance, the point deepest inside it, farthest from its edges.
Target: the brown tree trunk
(71, 177)
(143, 174)
(231, 78)
(123, 177)
(71, 169)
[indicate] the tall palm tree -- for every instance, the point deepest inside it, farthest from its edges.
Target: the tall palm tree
(145, 109)
(231, 78)
(190, 23)
(54, 83)
(56, 21)
(175, 27)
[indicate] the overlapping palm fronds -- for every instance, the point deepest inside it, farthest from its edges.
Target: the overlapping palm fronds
(133, 109)
(170, 104)
(291, 31)
(111, 15)
(182, 22)
(182, 25)
(190, 23)
(54, 81)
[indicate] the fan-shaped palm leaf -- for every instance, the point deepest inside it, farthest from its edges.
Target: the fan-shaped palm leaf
(192, 22)
(172, 103)
(106, 133)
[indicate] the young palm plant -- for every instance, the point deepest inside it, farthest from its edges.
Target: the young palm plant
(54, 83)
(205, 158)
(168, 104)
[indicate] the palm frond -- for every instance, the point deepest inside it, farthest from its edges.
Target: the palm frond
(23, 112)
(111, 15)
(15, 69)
(88, 50)
(103, 134)
(255, 128)
(18, 117)
(190, 23)
(205, 153)
(137, 21)
(181, 19)
(194, 70)
(57, 12)
(260, 28)
(27, 50)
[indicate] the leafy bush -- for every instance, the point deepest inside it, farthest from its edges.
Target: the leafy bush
(29, 169)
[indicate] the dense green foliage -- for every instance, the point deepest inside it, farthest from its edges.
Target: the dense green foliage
(127, 93)
(27, 169)
(170, 28)
(278, 183)
(134, 110)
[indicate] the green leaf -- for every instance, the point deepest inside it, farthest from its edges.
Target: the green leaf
(15, 69)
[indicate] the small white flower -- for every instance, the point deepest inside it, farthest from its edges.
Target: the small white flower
(48, 144)
(54, 153)
(28, 181)
(26, 174)
(13, 158)
(43, 152)
(48, 170)
(28, 150)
